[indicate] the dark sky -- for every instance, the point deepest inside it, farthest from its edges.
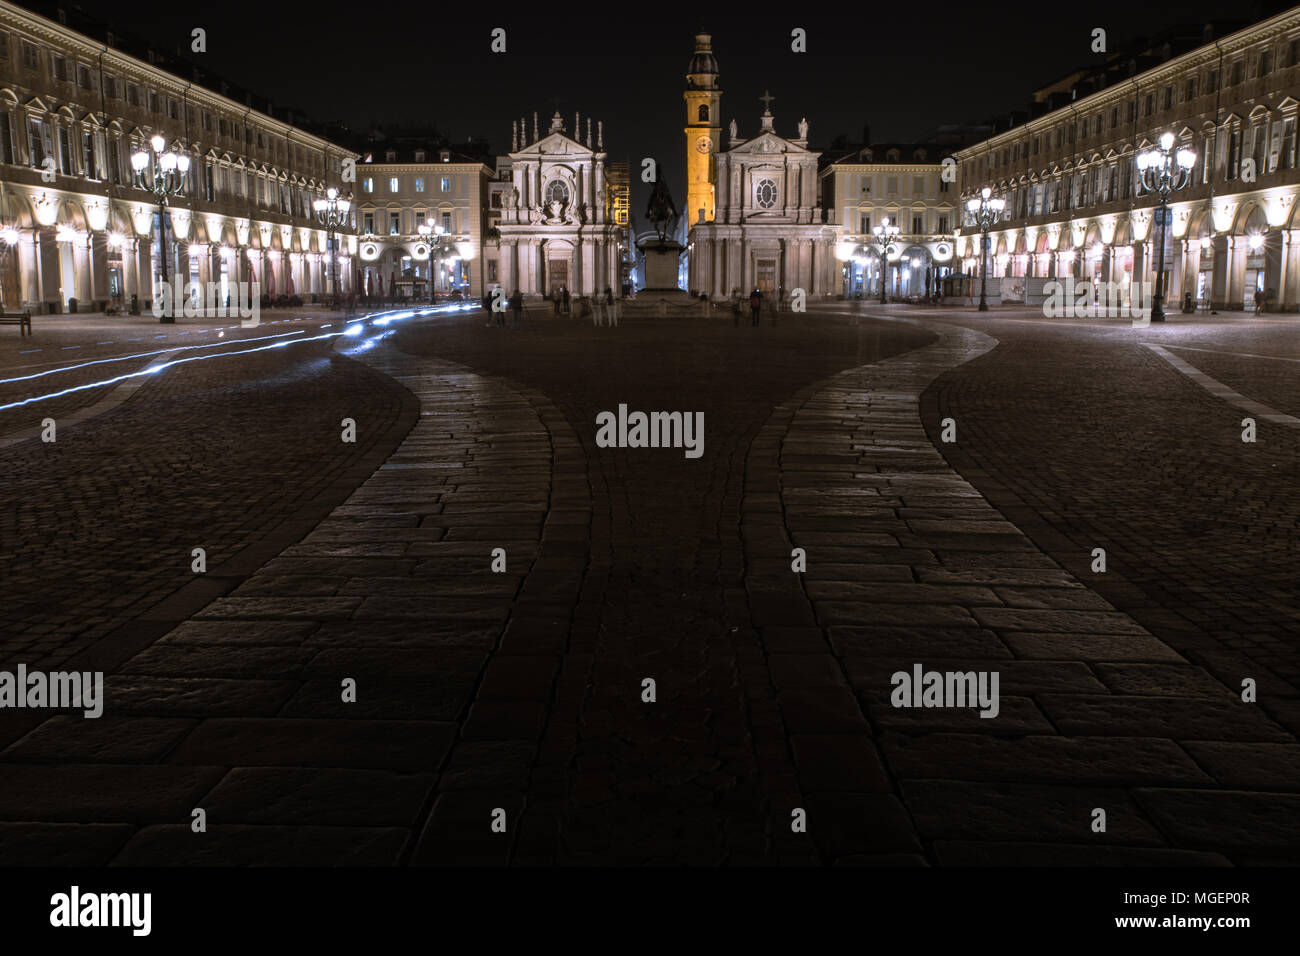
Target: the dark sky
(904, 68)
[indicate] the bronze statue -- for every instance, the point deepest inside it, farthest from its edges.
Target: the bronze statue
(661, 210)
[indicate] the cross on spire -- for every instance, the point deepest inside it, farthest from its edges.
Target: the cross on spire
(767, 99)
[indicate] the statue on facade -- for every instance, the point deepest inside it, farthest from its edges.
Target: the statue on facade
(731, 128)
(661, 211)
(803, 128)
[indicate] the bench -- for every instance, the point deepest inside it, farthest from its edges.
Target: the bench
(21, 319)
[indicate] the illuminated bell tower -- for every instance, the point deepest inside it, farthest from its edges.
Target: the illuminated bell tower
(703, 129)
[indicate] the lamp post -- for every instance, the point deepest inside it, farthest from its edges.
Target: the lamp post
(885, 234)
(985, 210)
(332, 212)
(432, 235)
(9, 237)
(437, 239)
(1162, 171)
(170, 169)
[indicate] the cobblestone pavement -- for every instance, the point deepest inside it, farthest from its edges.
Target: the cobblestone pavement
(518, 695)
(97, 527)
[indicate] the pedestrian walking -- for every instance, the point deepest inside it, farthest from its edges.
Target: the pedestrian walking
(755, 306)
(517, 306)
(1259, 301)
(611, 307)
(555, 300)
(597, 303)
(564, 291)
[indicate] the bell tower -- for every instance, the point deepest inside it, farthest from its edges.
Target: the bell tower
(703, 130)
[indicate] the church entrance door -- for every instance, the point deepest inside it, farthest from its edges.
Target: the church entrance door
(765, 272)
(557, 272)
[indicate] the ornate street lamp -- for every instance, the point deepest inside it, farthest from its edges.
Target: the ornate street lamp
(984, 210)
(332, 212)
(1162, 171)
(9, 237)
(169, 171)
(885, 234)
(437, 239)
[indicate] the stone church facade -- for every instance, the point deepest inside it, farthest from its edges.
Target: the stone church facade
(765, 230)
(554, 230)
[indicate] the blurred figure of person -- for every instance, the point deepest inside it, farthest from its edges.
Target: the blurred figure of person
(517, 306)
(1259, 301)
(611, 307)
(755, 306)
(564, 291)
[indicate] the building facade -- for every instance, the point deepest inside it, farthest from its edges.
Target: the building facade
(76, 232)
(1075, 204)
(553, 229)
(755, 219)
(905, 186)
(430, 188)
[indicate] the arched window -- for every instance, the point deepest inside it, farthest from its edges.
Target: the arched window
(704, 113)
(556, 191)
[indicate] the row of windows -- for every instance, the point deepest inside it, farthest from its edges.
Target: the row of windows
(115, 89)
(1267, 147)
(395, 184)
(919, 185)
(447, 219)
(918, 224)
(89, 152)
(1203, 84)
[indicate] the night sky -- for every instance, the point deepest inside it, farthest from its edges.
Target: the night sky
(624, 63)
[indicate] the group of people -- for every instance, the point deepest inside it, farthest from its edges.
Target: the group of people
(1262, 300)
(515, 304)
(604, 308)
(755, 308)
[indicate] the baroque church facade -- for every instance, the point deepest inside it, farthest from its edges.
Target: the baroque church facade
(756, 221)
(554, 230)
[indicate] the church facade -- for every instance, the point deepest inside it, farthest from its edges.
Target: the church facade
(554, 230)
(756, 222)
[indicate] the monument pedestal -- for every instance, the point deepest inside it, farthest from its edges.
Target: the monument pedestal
(661, 261)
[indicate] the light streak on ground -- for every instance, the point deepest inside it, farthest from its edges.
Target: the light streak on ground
(138, 355)
(354, 329)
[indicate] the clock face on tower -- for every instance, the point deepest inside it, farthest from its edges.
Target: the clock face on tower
(703, 144)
